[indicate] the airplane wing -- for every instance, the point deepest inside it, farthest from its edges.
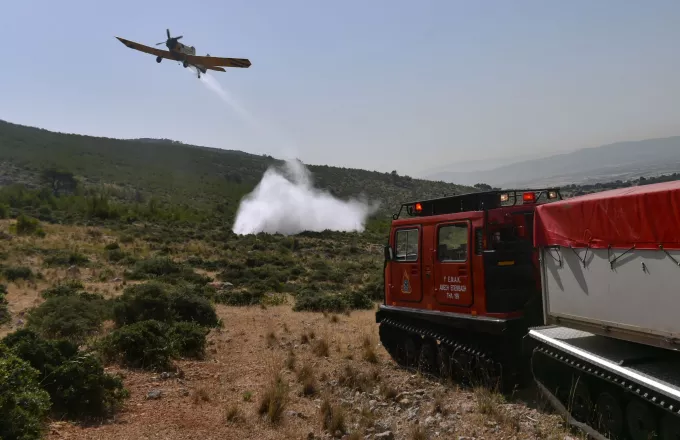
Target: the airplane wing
(216, 61)
(219, 69)
(150, 50)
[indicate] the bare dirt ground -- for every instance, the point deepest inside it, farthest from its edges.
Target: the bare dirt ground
(256, 342)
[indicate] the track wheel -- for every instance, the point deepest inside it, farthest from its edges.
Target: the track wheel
(461, 365)
(670, 427)
(581, 403)
(411, 349)
(428, 355)
(641, 421)
(444, 361)
(609, 415)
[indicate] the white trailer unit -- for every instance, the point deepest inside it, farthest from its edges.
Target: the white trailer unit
(611, 297)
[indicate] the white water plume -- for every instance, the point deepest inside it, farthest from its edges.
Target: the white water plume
(292, 205)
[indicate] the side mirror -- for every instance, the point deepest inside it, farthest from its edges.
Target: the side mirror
(389, 253)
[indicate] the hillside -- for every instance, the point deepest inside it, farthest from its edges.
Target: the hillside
(622, 160)
(201, 177)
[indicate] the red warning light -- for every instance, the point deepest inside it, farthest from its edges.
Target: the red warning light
(529, 197)
(418, 207)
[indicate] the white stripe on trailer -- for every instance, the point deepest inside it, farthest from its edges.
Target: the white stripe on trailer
(626, 372)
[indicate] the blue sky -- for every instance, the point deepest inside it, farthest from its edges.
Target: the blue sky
(376, 84)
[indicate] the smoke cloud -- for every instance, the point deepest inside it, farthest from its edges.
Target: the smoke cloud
(290, 204)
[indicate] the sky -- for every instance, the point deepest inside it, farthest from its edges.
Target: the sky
(379, 85)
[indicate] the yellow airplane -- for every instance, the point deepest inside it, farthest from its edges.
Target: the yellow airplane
(187, 55)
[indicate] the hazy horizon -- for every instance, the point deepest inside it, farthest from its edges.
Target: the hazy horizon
(378, 86)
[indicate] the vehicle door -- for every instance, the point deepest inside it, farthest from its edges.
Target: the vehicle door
(453, 284)
(406, 281)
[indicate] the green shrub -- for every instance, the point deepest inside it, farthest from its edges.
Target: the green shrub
(153, 301)
(165, 270)
(112, 246)
(23, 404)
(66, 258)
(4, 211)
(5, 315)
(28, 226)
(77, 384)
(154, 267)
(69, 317)
(242, 298)
(68, 288)
(115, 255)
(43, 355)
(192, 308)
(80, 389)
(142, 302)
(309, 300)
(143, 345)
(358, 300)
(188, 339)
(4, 310)
(373, 289)
(14, 273)
(316, 301)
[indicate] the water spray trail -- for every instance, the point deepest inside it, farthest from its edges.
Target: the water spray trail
(289, 150)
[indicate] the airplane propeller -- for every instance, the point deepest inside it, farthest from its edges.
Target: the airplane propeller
(169, 38)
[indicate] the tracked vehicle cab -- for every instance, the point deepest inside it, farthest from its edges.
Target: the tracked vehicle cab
(461, 268)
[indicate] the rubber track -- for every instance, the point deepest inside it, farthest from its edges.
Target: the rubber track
(665, 403)
(455, 346)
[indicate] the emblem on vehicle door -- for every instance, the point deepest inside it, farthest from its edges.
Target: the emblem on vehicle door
(405, 284)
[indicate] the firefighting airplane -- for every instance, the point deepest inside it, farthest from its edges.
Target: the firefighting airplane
(187, 55)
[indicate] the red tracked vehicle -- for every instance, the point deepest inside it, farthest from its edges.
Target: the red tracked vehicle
(601, 335)
(462, 282)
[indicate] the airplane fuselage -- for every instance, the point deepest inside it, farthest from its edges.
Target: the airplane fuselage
(179, 50)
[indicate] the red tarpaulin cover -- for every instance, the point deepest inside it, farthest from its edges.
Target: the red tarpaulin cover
(643, 216)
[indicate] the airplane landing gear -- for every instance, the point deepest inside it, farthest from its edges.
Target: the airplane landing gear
(159, 59)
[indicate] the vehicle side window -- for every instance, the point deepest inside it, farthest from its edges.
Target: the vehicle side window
(452, 242)
(406, 245)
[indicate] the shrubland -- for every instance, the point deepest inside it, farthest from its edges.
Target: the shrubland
(112, 261)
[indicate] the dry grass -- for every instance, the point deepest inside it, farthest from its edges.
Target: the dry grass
(271, 339)
(233, 414)
(355, 379)
(321, 348)
(306, 377)
(418, 433)
(438, 404)
(333, 417)
(274, 399)
(368, 352)
(290, 360)
(489, 403)
(201, 395)
(388, 391)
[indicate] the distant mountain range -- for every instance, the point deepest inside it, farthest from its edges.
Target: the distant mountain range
(618, 161)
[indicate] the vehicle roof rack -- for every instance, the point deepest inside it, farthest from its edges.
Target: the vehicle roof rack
(477, 201)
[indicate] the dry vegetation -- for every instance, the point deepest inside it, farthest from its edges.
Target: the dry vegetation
(267, 371)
